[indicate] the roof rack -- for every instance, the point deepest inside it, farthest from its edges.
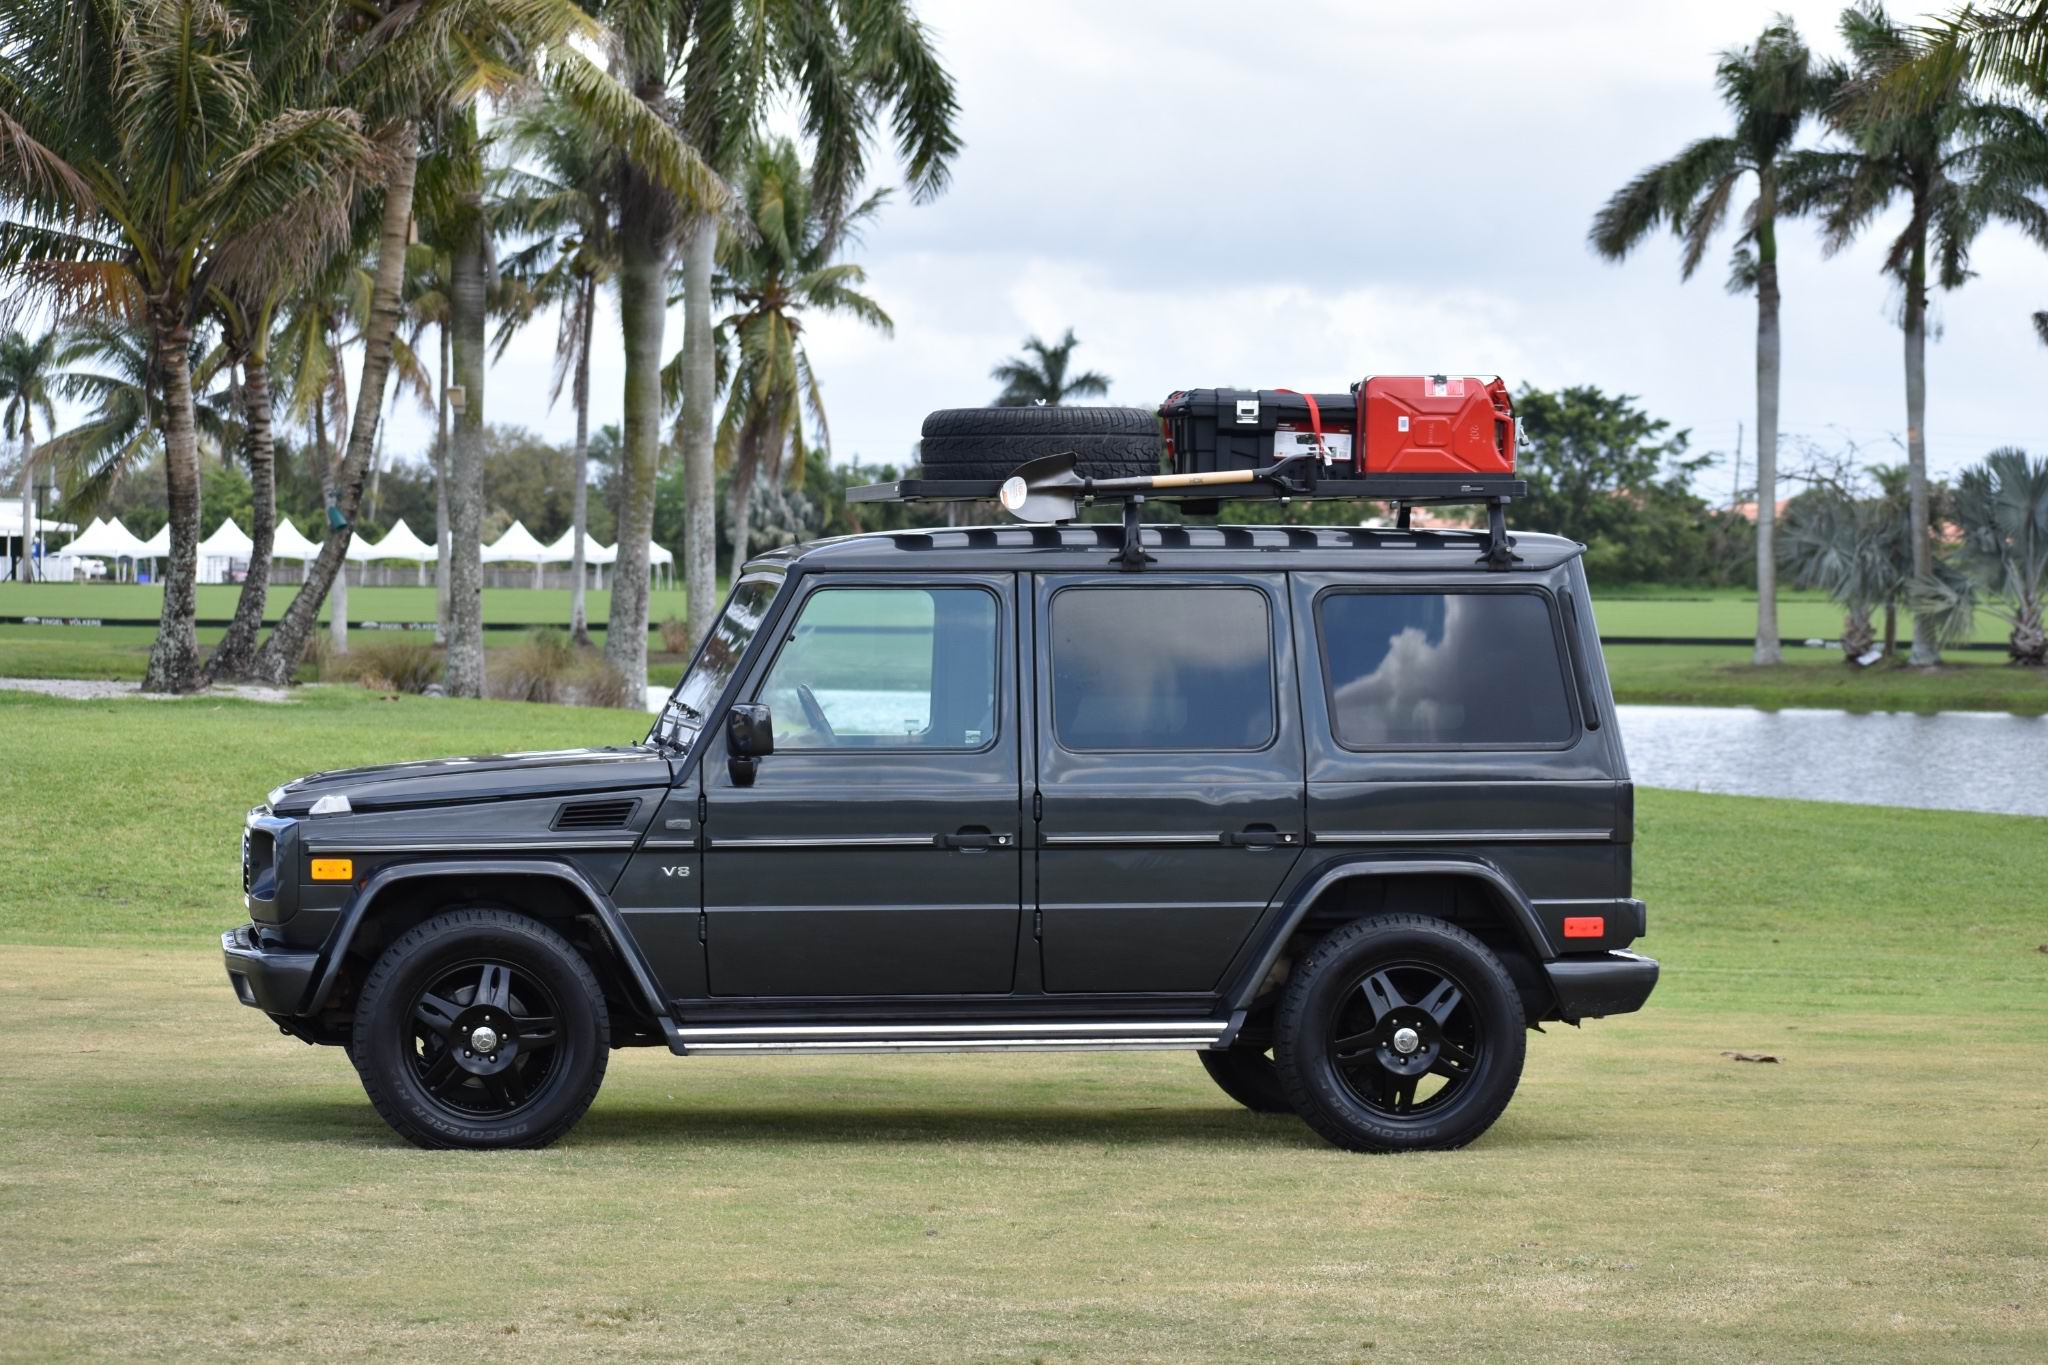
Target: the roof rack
(1296, 479)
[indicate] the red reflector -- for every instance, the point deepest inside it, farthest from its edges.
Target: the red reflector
(1585, 926)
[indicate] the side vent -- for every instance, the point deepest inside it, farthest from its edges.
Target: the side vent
(580, 815)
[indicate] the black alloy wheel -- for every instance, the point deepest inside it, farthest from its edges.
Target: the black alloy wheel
(481, 1028)
(1400, 1033)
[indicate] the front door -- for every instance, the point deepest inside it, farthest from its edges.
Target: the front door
(1170, 770)
(877, 850)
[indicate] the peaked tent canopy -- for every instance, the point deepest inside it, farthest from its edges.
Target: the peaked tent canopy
(288, 542)
(228, 541)
(158, 546)
(562, 551)
(516, 546)
(657, 555)
(401, 543)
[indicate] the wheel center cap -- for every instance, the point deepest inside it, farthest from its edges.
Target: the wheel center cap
(485, 1039)
(1406, 1040)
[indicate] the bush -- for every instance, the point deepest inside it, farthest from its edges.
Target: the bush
(675, 635)
(599, 683)
(538, 669)
(404, 662)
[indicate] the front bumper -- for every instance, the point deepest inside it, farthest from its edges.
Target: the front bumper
(266, 975)
(1589, 985)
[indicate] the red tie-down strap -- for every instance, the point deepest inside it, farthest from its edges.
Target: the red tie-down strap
(1315, 422)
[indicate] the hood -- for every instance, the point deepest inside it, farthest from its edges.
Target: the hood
(488, 777)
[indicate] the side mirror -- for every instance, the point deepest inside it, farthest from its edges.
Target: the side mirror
(749, 738)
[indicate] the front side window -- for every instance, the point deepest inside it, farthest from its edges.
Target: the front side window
(717, 660)
(868, 668)
(1162, 668)
(1443, 670)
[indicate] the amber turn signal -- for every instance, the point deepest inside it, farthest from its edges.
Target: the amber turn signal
(333, 869)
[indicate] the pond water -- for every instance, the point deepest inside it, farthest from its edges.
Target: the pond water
(1958, 760)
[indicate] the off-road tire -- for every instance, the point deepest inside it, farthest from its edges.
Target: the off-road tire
(989, 443)
(383, 1040)
(1248, 1077)
(1330, 985)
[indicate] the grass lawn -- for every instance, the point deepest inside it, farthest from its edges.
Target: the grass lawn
(1730, 613)
(517, 606)
(176, 1180)
(1715, 675)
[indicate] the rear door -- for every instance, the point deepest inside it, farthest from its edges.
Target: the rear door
(877, 850)
(1169, 774)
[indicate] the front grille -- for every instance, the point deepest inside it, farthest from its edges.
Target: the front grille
(245, 862)
(595, 814)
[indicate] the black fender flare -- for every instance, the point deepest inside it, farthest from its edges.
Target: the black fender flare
(607, 915)
(1521, 913)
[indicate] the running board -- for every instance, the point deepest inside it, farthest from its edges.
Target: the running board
(1090, 1036)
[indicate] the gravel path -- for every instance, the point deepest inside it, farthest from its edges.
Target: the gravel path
(80, 690)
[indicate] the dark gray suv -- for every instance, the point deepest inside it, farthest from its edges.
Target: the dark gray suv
(1343, 811)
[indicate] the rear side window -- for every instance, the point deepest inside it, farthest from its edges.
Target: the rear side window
(1443, 670)
(1162, 668)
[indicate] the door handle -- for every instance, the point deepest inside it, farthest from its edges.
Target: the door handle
(1261, 836)
(972, 838)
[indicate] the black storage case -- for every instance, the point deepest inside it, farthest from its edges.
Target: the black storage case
(1209, 431)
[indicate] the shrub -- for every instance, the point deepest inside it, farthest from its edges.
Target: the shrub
(675, 635)
(599, 683)
(406, 662)
(539, 668)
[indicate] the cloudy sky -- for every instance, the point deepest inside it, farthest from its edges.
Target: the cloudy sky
(1295, 195)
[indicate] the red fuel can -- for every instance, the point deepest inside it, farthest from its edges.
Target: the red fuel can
(1434, 424)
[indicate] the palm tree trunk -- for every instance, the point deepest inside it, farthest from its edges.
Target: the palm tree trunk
(278, 660)
(174, 657)
(742, 517)
(1766, 651)
(24, 564)
(700, 481)
(643, 304)
(579, 515)
(1926, 650)
(232, 657)
(466, 463)
(1891, 630)
(443, 541)
(337, 621)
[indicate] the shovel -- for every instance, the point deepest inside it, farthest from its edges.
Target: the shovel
(1047, 489)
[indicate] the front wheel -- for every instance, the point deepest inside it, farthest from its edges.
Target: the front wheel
(481, 1029)
(1400, 1033)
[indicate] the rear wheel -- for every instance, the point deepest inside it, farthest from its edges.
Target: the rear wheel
(482, 1029)
(1248, 1077)
(989, 443)
(1400, 1033)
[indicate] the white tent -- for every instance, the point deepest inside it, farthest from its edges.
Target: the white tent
(95, 542)
(562, 551)
(219, 551)
(517, 546)
(401, 543)
(288, 542)
(10, 519)
(157, 546)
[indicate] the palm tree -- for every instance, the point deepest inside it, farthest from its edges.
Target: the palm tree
(1960, 162)
(2000, 43)
(409, 67)
(1040, 378)
(1854, 549)
(563, 190)
(838, 64)
(309, 349)
(2041, 327)
(27, 377)
(1770, 87)
(778, 268)
(108, 366)
(169, 157)
(2000, 561)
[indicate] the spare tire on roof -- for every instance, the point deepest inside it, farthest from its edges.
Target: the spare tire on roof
(989, 443)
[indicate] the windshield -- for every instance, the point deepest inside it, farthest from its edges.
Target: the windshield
(683, 714)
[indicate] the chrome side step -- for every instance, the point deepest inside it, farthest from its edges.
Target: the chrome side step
(1091, 1036)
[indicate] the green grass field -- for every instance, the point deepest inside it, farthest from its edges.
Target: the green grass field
(515, 606)
(1714, 675)
(178, 1181)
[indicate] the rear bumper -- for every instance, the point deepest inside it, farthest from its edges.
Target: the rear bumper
(1590, 985)
(266, 976)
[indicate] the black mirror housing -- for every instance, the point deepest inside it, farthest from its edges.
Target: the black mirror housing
(749, 737)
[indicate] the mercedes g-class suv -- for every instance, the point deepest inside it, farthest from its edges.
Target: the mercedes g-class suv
(1344, 811)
